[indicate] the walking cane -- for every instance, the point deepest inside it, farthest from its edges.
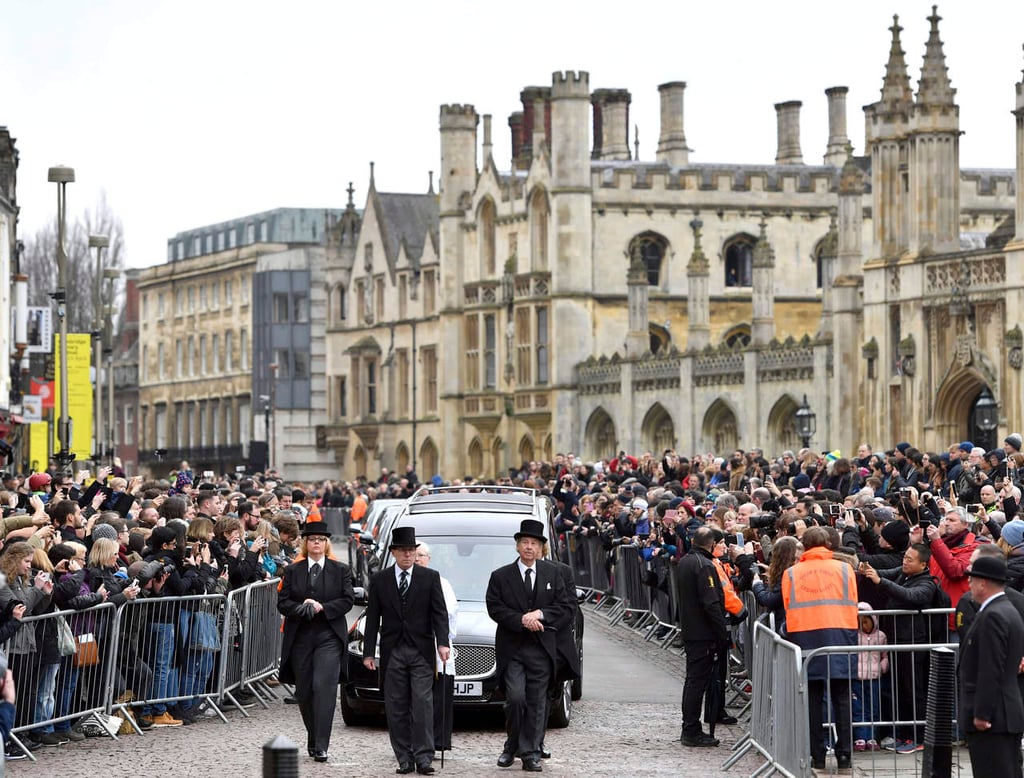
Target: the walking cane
(444, 714)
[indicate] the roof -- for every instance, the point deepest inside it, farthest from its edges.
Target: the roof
(409, 219)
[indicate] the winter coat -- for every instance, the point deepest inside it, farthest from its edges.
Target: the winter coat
(916, 592)
(871, 665)
(35, 601)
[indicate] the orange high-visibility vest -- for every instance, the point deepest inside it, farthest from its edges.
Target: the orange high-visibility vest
(733, 603)
(820, 593)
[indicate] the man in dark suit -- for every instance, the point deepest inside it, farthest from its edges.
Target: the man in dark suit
(315, 594)
(407, 608)
(527, 599)
(991, 708)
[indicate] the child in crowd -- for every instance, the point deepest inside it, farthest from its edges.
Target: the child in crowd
(871, 665)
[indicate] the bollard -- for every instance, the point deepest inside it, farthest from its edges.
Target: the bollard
(280, 758)
(939, 731)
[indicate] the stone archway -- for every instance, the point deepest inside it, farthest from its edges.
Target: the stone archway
(720, 431)
(953, 404)
(359, 462)
(428, 460)
(657, 432)
(600, 438)
(476, 458)
(525, 449)
(781, 430)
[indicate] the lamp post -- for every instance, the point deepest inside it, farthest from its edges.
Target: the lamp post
(805, 422)
(110, 275)
(265, 399)
(986, 412)
(62, 176)
(98, 242)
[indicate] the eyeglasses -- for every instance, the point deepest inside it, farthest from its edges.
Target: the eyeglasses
(316, 539)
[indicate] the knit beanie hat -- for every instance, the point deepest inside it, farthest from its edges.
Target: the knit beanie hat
(104, 531)
(1013, 532)
(897, 533)
(1015, 441)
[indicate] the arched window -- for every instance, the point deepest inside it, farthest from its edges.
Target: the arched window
(650, 249)
(485, 222)
(818, 265)
(476, 459)
(401, 458)
(539, 215)
(737, 337)
(340, 303)
(428, 459)
(739, 260)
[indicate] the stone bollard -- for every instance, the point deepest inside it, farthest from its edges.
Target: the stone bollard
(280, 758)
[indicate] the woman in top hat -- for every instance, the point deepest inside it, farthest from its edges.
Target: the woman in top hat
(406, 607)
(315, 595)
(528, 601)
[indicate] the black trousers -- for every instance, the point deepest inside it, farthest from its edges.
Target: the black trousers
(700, 659)
(527, 678)
(995, 753)
(409, 705)
(316, 658)
(444, 710)
(839, 696)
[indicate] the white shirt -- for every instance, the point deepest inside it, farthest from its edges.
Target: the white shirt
(398, 576)
(533, 578)
(318, 563)
(985, 604)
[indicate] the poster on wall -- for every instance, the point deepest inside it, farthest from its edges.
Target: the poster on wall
(39, 335)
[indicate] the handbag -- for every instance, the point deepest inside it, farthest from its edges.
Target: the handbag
(66, 643)
(203, 634)
(88, 650)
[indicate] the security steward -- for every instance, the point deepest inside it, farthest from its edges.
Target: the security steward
(406, 607)
(702, 615)
(820, 597)
(315, 594)
(527, 600)
(991, 708)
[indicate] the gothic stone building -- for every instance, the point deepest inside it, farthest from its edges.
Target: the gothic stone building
(586, 300)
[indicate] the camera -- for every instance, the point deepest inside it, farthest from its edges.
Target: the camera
(924, 523)
(905, 493)
(973, 508)
(764, 521)
(835, 509)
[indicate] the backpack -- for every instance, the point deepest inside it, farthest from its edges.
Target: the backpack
(938, 623)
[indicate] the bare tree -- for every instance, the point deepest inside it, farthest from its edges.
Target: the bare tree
(39, 263)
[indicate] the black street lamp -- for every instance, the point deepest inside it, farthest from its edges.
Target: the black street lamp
(986, 412)
(805, 422)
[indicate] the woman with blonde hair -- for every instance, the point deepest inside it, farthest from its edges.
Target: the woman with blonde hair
(786, 552)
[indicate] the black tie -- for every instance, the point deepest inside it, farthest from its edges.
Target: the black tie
(403, 585)
(314, 573)
(528, 582)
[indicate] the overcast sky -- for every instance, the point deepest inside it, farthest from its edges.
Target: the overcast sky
(189, 113)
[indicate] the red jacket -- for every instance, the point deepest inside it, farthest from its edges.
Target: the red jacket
(949, 565)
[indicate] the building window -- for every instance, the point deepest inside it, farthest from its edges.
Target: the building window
(161, 426)
(215, 348)
(649, 249)
(540, 213)
(202, 298)
(485, 222)
(209, 244)
(737, 337)
(197, 246)
(429, 293)
(160, 305)
(232, 240)
(490, 352)
(145, 307)
(361, 300)
(739, 260)
(243, 347)
(402, 284)
(243, 292)
(263, 231)
(300, 312)
(300, 365)
(191, 355)
(250, 233)
(371, 386)
(228, 347)
(179, 359)
(281, 308)
(342, 397)
(191, 299)
(524, 347)
(179, 302)
(128, 425)
(220, 241)
(341, 302)
(379, 285)
(215, 296)
(402, 360)
(472, 351)
(203, 355)
(227, 292)
(160, 361)
(283, 361)
(215, 421)
(542, 345)
(429, 357)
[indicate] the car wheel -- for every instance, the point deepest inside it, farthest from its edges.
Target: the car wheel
(561, 708)
(353, 714)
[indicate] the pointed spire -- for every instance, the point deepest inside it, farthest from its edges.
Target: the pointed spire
(934, 88)
(764, 254)
(373, 184)
(698, 261)
(830, 243)
(896, 93)
(851, 177)
(351, 191)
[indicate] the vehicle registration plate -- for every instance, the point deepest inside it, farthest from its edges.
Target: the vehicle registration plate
(469, 688)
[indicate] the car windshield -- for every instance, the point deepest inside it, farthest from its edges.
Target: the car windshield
(467, 562)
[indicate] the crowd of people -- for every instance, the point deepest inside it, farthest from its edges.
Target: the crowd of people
(904, 525)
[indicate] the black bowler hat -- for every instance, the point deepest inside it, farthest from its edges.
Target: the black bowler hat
(404, 537)
(531, 528)
(988, 567)
(315, 528)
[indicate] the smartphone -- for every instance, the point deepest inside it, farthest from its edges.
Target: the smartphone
(973, 508)
(905, 493)
(739, 539)
(835, 509)
(1011, 473)
(924, 523)
(207, 475)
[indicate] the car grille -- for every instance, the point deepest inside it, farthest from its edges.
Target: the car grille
(473, 661)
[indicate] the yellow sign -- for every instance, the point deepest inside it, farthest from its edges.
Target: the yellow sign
(39, 446)
(79, 393)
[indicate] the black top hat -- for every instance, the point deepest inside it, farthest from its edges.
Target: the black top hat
(315, 528)
(404, 537)
(988, 567)
(531, 528)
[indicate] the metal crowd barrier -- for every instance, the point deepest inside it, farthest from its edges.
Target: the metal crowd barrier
(53, 690)
(197, 650)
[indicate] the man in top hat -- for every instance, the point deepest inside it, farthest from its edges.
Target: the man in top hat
(406, 607)
(991, 708)
(528, 601)
(315, 594)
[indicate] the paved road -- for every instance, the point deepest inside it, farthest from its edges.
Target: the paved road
(626, 724)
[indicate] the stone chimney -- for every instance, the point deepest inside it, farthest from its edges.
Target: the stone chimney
(488, 147)
(835, 151)
(515, 126)
(672, 146)
(611, 112)
(788, 115)
(530, 97)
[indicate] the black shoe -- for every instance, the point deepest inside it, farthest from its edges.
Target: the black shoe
(725, 718)
(405, 768)
(425, 769)
(818, 764)
(532, 765)
(699, 741)
(544, 754)
(506, 759)
(843, 762)
(319, 756)
(290, 700)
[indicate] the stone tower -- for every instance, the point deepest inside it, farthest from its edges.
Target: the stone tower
(763, 329)
(934, 157)
(887, 123)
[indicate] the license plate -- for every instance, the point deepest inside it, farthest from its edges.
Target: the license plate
(469, 688)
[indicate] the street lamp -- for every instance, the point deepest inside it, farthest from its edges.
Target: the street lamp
(805, 422)
(986, 412)
(62, 176)
(111, 276)
(98, 242)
